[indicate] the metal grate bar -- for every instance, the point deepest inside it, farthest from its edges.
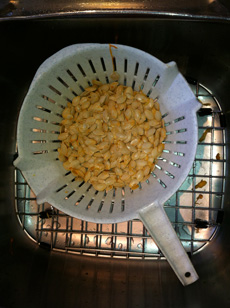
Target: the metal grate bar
(207, 176)
(201, 191)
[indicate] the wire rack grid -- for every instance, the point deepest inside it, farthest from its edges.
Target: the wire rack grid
(195, 210)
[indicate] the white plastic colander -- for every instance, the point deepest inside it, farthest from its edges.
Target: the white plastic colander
(58, 80)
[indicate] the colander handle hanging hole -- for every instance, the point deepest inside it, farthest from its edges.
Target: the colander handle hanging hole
(160, 228)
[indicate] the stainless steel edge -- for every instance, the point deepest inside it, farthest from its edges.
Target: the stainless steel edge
(119, 13)
(207, 9)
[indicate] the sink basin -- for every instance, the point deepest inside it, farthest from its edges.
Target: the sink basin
(35, 275)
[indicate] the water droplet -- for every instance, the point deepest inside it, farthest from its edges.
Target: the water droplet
(140, 246)
(56, 224)
(87, 239)
(67, 239)
(177, 229)
(120, 246)
(72, 243)
(108, 241)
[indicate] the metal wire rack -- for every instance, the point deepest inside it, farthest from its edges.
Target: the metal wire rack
(195, 210)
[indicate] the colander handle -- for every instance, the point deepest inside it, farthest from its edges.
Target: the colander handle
(157, 223)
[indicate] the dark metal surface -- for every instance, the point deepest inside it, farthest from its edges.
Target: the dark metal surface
(31, 276)
(218, 9)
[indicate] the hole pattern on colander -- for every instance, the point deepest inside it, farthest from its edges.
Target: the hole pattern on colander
(157, 178)
(70, 80)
